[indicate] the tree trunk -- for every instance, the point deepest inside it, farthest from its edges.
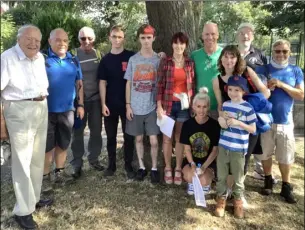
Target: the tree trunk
(171, 17)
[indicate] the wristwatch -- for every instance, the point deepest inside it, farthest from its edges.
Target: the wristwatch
(80, 105)
(192, 163)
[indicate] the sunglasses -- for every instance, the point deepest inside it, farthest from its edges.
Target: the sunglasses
(85, 38)
(281, 51)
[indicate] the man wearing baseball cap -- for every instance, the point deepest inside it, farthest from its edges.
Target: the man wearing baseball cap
(254, 58)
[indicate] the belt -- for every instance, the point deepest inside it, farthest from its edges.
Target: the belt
(41, 98)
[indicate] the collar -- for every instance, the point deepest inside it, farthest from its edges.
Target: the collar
(278, 66)
(51, 53)
(217, 49)
(21, 54)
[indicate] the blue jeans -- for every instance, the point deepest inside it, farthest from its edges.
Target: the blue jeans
(177, 114)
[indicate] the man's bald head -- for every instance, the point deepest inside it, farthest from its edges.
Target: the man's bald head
(59, 42)
(210, 34)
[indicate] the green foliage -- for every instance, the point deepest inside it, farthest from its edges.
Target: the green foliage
(287, 18)
(8, 32)
(20, 15)
(229, 15)
(51, 19)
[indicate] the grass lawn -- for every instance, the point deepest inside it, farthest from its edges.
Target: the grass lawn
(97, 203)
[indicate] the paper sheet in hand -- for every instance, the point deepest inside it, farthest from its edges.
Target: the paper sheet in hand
(166, 125)
(198, 192)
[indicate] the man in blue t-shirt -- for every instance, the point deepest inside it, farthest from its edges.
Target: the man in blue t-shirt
(63, 72)
(286, 83)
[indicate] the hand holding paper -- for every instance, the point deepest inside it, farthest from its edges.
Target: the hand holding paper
(166, 125)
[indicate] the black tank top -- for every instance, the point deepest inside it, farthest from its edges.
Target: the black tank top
(223, 86)
(223, 89)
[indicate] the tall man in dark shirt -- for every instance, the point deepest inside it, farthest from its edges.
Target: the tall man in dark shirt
(254, 58)
(112, 92)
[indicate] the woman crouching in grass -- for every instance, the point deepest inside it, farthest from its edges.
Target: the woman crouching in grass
(200, 136)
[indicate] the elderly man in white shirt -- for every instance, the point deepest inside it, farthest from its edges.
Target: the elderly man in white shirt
(24, 85)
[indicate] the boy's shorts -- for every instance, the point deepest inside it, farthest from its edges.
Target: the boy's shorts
(279, 140)
(59, 130)
(141, 124)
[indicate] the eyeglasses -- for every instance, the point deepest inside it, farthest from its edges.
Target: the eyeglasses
(116, 37)
(281, 51)
(85, 38)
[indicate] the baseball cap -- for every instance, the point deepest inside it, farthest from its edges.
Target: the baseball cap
(238, 81)
(246, 24)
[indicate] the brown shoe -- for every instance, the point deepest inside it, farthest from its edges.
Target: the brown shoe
(220, 207)
(238, 208)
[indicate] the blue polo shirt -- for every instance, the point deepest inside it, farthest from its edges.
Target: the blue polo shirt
(282, 103)
(62, 76)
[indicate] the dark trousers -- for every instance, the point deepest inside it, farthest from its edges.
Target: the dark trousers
(111, 127)
(93, 114)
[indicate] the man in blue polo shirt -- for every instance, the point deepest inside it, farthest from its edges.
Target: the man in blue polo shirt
(63, 72)
(286, 83)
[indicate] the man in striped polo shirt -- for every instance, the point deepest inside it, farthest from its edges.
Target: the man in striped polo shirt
(233, 144)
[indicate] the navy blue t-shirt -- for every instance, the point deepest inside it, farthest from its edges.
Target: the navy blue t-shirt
(112, 69)
(62, 75)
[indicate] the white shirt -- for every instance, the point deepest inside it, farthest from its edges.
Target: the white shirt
(21, 77)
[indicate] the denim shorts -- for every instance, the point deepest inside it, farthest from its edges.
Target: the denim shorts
(177, 114)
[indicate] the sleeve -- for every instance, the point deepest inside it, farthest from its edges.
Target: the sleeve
(193, 79)
(262, 73)
(184, 136)
(161, 80)
(299, 76)
(128, 73)
(5, 78)
(101, 72)
(251, 116)
(79, 75)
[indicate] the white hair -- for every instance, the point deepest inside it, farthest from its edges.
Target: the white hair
(23, 28)
(53, 32)
(202, 95)
(87, 29)
(281, 42)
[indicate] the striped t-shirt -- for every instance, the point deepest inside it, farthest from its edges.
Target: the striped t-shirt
(235, 138)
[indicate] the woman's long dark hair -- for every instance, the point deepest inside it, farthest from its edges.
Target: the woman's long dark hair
(240, 64)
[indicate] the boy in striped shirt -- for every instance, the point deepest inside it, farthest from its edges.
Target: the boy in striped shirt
(233, 144)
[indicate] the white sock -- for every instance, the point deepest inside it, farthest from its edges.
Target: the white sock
(142, 168)
(154, 169)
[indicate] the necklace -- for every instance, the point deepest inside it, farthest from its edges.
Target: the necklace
(178, 62)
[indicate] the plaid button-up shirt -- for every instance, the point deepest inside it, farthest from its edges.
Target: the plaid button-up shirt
(165, 84)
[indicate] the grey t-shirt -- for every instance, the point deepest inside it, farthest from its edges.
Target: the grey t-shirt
(142, 72)
(89, 63)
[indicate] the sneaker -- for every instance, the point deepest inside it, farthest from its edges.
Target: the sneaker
(97, 166)
(154, 176)
(47, 186)
(286, 193)
(141, 174)
(258, 176)
(190, 189)
(62, 178)
(77, 173)
(108, 172)
(245, 203)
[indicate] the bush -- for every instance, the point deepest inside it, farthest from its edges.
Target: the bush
(8, 32)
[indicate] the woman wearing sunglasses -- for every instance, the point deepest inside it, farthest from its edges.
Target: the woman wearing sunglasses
(286, 83)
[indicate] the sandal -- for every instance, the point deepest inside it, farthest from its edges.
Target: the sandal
(168, 176)
(178, 177)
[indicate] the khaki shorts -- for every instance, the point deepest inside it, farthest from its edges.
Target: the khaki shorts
(279, 140)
